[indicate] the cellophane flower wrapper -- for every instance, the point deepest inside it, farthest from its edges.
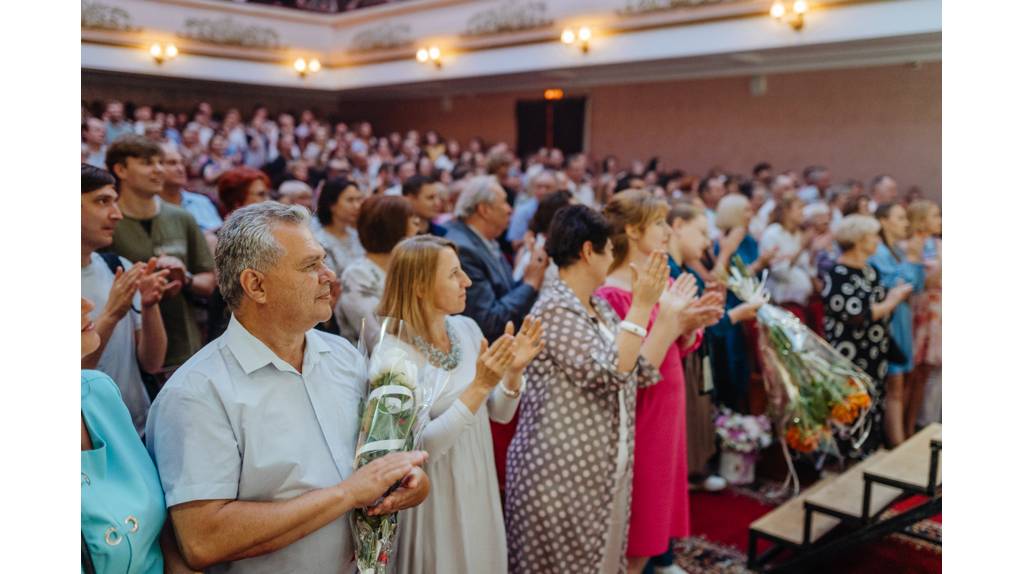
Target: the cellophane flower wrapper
(814, 392)
(401, 388)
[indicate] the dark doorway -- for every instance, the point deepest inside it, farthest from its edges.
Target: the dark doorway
(550, 123)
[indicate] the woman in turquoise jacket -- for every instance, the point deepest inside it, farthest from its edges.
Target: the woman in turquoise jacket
(896, 266)
(123, 513)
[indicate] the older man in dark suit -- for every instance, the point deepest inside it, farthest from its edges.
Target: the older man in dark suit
(494, 298)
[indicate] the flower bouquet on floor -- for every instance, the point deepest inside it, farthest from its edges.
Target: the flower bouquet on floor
(815, 394)
(741, 437)
(402, 386)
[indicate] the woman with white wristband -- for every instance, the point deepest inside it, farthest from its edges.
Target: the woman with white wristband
(459, 528)
(660, 508)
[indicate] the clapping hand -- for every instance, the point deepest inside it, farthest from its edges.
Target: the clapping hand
(494, 360)
(650, 281)
(126, 283)
(704, 312)
(154, 284)
(675, 300)
(731, 242)
(527, 343)
(176, 274)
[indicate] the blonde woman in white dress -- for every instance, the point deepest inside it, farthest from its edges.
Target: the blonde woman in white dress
(460, 527)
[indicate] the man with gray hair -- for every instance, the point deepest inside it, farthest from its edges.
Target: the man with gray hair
(254, 437)
(541, 185)
(816, 179)
(494, 298)
(883, 190)
(295, 192)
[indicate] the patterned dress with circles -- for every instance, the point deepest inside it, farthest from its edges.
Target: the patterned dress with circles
(561, 464)
(849, 327)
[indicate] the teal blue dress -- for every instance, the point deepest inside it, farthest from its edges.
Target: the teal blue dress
(893, 269)
(122, 501)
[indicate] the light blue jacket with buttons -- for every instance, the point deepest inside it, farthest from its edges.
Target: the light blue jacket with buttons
(122, 501)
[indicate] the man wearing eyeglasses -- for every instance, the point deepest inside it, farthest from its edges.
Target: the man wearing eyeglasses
(127, 314)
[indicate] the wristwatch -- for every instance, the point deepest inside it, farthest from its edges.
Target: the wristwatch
(188, 280)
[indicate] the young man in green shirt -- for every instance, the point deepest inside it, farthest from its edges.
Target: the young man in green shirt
(153, 228)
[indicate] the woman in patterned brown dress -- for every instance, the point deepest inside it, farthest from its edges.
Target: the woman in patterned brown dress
(570, 463)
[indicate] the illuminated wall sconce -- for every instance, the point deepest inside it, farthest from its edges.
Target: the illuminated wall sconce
(794, 17)
(579, 37)
(553, 94)
(304, 67)
(163, 52)
(431, 54)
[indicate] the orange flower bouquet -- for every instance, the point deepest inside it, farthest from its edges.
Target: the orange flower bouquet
(815, 393)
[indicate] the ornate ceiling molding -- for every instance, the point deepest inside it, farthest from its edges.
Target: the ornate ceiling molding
(644, 6)
(226, 31)
(511, 17)
(97, 16)
(384, 36)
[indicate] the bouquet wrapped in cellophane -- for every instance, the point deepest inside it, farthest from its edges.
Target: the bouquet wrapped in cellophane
(815, 393)
(402, 386)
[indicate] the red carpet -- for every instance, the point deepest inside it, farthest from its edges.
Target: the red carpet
(719, 524)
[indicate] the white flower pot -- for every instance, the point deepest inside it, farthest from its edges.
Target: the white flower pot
(737, 467)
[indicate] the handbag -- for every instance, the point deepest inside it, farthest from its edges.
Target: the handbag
(895, 355)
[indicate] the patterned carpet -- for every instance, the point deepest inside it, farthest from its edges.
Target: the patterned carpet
(719, 526)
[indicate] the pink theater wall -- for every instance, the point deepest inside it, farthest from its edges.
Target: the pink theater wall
(858, 122)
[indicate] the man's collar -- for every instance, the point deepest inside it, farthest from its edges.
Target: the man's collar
(253, 354)
(478, 232)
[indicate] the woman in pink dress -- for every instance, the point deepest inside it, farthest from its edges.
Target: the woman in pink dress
(660, 502)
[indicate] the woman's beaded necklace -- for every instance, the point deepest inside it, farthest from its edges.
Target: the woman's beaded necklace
(447, 361)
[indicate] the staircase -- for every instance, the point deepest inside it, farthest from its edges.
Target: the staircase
(856, 498)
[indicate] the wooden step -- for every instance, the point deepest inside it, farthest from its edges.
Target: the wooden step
(845, 494)
(909, 462)
(787, 521)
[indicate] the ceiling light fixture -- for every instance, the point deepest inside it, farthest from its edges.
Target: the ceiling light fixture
(579, 37)
(427, 55)
(163, 52)
(794, 16)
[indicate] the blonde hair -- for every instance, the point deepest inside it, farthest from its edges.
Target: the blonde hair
(411, 275)
(917, 213)
(631, 207)
(730, 211)
(853, 228)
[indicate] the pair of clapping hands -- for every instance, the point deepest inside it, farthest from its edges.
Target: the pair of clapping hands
(678, 303)
(151, 280)
(395, 482)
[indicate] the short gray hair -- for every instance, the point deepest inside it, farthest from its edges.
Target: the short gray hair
(246, 241)
(478, 190)
(853, 228)
(730, 211)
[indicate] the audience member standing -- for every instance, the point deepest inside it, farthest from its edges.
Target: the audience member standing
(127, 318)
(897, 267)
(199, 205)
(459, 528)
(570, 464)
(384, 221)
(857, 311)
(494, 298)
(660, 507)
(154, 228)
(425, 196)
(254, 439)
